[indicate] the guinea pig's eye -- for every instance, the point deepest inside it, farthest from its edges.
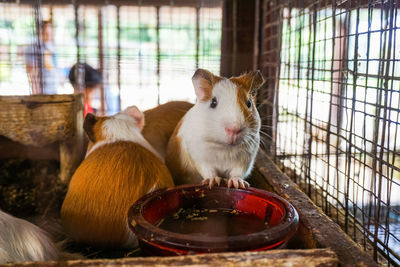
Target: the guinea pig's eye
(213, 102)
(248, 103)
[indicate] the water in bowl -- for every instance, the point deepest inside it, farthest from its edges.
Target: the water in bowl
(212, 222)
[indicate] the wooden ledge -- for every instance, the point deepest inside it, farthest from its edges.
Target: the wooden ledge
(39, 120)
(300, 258)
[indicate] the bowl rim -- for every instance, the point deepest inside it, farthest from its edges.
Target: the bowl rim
(149, 233)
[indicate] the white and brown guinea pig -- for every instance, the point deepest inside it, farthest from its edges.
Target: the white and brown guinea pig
(219, 137)
(22, 241)
(120, 167)
(161, 122)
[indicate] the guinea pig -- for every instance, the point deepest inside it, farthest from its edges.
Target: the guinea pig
(22, 241)
(120, 167)
(219, 137)
(161, 122)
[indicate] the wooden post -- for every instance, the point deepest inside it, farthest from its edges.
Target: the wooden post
(237, 44)
(72, 149)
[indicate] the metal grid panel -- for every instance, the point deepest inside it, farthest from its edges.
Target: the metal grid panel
(337, 113)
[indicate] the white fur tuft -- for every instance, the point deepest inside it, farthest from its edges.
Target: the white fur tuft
(22, 241)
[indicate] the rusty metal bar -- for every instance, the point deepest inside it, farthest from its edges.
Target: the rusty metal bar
(158, 53)
(51, 15)
(119, 54)
(84, 33)
(79, 70)
(76, 16)
(101, 57)
(197, 36)
(37, 50)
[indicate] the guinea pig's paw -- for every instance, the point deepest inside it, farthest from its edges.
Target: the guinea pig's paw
(212, 181)
(237, 182)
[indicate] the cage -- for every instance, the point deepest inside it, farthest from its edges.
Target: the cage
(329, 107)
(336, 137)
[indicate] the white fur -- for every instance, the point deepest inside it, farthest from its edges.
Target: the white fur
(22, 241)
(122, 127)
(205, 147)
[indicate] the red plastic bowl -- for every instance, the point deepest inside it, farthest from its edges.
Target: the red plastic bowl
(151, 208)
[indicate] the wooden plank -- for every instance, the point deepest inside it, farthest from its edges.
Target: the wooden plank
(325, 232)
(38, 120)
(33, 100)
(300, 258)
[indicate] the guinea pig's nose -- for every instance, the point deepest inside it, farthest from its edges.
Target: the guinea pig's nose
(233, 130)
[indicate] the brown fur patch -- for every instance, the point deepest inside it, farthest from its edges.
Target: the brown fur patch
(98, 129)
(88, 124)
(242, 97)
(97, 134)
(250, 81)
(161, 122)
(246, 85)
(174, 158)
(104, 187)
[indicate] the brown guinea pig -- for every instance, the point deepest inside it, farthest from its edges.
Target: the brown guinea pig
(218, 138)
(120, 167)
(161, 122)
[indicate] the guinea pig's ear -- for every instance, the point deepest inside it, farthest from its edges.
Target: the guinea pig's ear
(252, 81)
(257, 81)
(137, 115)
(203, 83)
(88, 125)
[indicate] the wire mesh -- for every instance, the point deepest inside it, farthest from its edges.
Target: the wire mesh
(145, 52)
(337, 112)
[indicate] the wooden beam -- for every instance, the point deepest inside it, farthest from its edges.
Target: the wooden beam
(175, 3)
(345, 4)
(237, 44)
(294, 258)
